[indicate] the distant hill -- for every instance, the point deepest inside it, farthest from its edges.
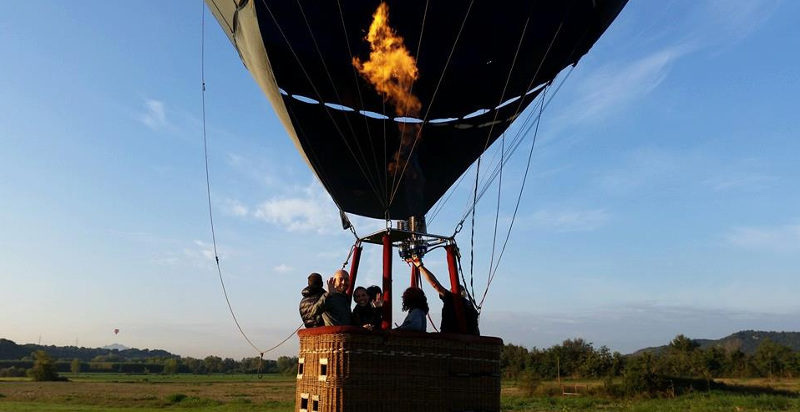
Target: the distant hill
(9, 350)
(746, 341)
(116, 346)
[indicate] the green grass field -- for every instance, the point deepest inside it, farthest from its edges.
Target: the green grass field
(117, 392)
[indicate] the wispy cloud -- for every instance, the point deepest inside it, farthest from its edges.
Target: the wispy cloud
(259, 169)
(311, 211)
(199, 255)
(746, 174)
(283, 268)
(740, 181)
(571, 221)
(612, 88)
(645, 166)
(236, 208)
(728, 21)
(781, 239)
(155, 114)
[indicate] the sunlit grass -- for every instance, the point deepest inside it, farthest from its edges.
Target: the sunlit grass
(273, 393)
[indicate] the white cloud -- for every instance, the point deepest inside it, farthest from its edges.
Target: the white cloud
(283, 268)
(745, 174)
(571, 221)
(613, 87)
(726, 21)
(646, 167)
(154, 116)
(236, 208)
(199, 255)
(259, 169)
(295, 214)
(740, 182)
(311, 211)
(780, 239)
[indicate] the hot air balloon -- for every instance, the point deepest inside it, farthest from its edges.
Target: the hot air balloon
(389, 103)
(116, 331)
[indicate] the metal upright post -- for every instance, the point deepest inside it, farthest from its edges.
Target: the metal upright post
(354, 268)
(386, 324)
(457, 300)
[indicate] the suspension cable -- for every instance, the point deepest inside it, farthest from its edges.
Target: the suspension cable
(208, 195)
(493, 272)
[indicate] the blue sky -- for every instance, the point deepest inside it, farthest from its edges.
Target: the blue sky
(663, 196)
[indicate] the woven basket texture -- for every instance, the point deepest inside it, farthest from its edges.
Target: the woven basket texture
(397, 371)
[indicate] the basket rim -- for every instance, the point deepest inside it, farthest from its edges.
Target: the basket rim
(357, 330)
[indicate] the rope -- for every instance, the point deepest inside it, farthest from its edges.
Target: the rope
(208, 195)
(516, 207)
(430, 320)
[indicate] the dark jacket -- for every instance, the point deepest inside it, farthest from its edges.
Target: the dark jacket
(334, 309)
(363, 315)
(311, 295)
(449, 322)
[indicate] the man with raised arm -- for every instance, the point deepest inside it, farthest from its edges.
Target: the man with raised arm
(449, 321)
(334, 305)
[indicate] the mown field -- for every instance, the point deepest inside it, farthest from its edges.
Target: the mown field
(112, 392)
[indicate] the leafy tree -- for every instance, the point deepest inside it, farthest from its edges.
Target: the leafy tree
(229, 365)
(171, 366)
(195, 365)
(287, 365)
(213, 364)
(771, 357)
(513, 360)
(44, 368)
(640, 378)
(75, 366)
(528, 382)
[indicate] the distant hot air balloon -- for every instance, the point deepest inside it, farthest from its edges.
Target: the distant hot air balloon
(116, 331)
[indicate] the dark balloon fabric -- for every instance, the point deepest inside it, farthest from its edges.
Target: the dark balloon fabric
(472, 58)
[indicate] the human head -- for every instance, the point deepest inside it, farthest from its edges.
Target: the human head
(374, 293)
(315, 279)
(414, 298)
(361, 296)
(341, 280)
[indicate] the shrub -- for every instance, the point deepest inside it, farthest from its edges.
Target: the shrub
(528, 382)
(176, 397)
(44, 369)
(12, 372)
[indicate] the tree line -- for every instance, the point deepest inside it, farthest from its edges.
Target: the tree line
(681, 365)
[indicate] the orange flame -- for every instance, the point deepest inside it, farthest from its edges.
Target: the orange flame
(390, 68)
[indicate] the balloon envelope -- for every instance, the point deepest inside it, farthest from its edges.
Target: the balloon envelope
(116, 331)
(479, 65)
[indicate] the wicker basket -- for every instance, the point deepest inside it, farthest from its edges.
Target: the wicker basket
(351, 369)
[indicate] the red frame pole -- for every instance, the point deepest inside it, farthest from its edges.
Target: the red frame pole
(386, 324)
(458, 303)
(354, 269)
